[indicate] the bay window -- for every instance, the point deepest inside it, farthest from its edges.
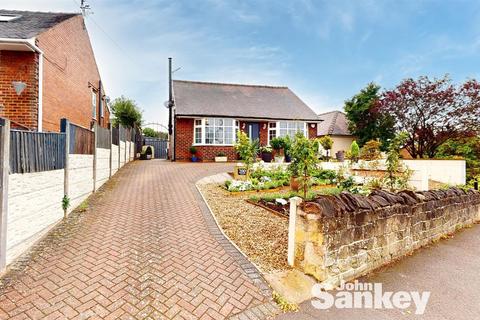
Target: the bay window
(286, 128)
(215, 131)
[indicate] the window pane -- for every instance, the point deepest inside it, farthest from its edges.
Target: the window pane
(209, 135)
(283, 124)
(219, 136)
(209, 122)
(218, 122)
(198, 122)
(283, 132)
(272, 125)
(228, 122)
(198, 135)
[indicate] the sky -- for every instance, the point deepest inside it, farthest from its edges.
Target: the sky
(325, 51)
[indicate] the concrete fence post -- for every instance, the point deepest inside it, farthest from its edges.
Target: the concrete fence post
(292, 221)
(119, 148)
(65, 128)
(95, 136)
(110, 147)
(4, 170)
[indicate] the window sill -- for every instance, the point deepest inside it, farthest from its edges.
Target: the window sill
(211, 145)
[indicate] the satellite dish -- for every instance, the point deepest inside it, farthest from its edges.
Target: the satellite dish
(166, 104)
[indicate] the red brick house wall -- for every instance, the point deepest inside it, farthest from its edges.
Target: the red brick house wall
(184, 140)
(19, 66)
(70, 74)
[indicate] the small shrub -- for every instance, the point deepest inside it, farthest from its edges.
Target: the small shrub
(193, 150)
(370, 151)
(354, 153)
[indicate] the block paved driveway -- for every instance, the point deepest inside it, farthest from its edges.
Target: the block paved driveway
(145, 249)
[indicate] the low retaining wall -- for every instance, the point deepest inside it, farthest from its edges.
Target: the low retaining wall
(343, 237)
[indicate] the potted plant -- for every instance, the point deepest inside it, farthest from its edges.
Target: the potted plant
(294, 180)
(193, 152)
(266, 152)
(221, 157)
(327, 143)
(277, 145)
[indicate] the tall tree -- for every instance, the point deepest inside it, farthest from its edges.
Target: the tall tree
(431, 112)
(364, 120)
(126, 112)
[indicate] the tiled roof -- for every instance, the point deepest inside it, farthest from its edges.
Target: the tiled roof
(334, 123)
(193, 98)
(30, 24)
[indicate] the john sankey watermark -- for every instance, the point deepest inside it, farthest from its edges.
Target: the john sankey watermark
(357, 295)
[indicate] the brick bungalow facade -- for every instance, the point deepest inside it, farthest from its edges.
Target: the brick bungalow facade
(50, 55)
(208, 115)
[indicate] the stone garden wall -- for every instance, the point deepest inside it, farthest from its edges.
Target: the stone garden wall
(343, 237)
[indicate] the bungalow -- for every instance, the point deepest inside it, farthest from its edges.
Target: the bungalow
(48, 71)
(208, 116)
(335, 125)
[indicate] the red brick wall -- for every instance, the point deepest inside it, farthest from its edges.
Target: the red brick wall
(70, 72)
(184, 140)
(19, 66)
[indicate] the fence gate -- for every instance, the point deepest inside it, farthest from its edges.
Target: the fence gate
(159, 145)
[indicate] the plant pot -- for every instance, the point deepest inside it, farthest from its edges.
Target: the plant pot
(279, 159)
(194, 159)
(267, 156)
(288, 158)
(221, 159)
(294, 183)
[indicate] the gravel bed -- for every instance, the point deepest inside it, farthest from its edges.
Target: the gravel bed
(260, 234)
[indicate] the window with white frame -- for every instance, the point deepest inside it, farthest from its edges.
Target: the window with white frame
(215, 131)
(286, 128)
(94, 105)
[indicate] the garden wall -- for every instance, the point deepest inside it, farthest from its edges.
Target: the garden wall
(80, 178)
(35, 204)
(343, 237)
(114, 159)
(103, 167)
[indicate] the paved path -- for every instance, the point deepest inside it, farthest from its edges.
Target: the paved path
(448, 269)
(145, 249)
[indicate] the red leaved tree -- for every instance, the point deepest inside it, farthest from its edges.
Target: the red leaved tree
(432, 111)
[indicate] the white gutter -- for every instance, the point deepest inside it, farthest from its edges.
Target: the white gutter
(30, 44)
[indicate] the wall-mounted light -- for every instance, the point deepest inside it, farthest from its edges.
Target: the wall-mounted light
(312, 125)
(19, 86)
(243, 125)
(264, 126)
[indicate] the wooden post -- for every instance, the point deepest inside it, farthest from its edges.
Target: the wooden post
(95, 136)
(4, 168)
(292, 220)
(110, 147)
(65, 127)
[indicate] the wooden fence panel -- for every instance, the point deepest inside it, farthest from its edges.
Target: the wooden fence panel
(103, 138)
(115, 137)
(81, 140)
(36, 151)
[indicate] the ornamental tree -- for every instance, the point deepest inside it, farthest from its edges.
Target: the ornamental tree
(431, 112)
(364, 120)
(126, 112)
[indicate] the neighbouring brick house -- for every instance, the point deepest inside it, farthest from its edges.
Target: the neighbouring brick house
(208, 116)
(50, 57)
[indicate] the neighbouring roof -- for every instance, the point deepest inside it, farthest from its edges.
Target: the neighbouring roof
(334, 123)
(30, 24)
(193, 98)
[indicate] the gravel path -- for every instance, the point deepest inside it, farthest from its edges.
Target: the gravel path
(260, 234)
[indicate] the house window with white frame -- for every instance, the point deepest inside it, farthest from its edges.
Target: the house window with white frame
(94, 105)
(286, 128)
(215, 131)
